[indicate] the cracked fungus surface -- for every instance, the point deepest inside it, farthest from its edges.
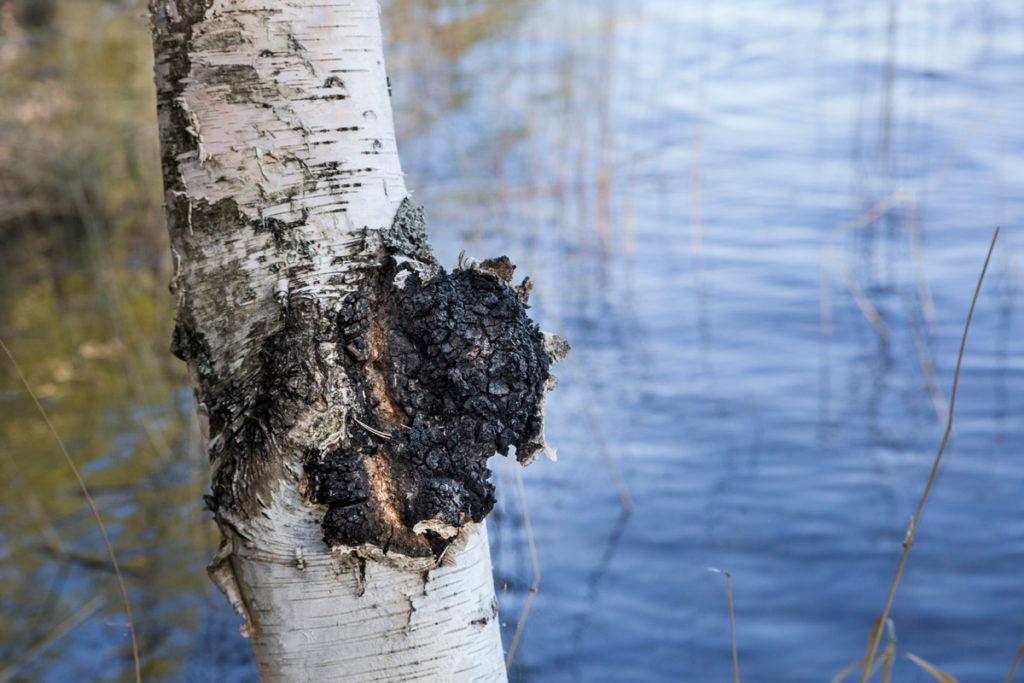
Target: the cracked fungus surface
(448, 369)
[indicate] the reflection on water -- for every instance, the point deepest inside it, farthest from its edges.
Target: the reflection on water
(759, 223)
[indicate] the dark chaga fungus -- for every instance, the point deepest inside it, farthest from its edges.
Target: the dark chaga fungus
(449, 369)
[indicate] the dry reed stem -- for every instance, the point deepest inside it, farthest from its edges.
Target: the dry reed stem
(924, 358)
(31, 502)
(885, 661)
(596, 430)
(889, 654)
(861, 299)
(732, 623)
(839, 677)
(899, 196)
(917, 255)
(825, 296)
(602, 445)
(907, 195)
(904, 195)
(924, 295)
(908, 540)
(58, 632)
(536, 568)
(1016, 661)
(934, 671)
(872, 214)
(605, 170)
(92, 507)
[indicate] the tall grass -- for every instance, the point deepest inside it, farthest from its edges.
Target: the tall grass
(732, 623)
(867, 663)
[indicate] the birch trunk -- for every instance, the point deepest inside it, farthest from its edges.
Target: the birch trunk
(349, 389)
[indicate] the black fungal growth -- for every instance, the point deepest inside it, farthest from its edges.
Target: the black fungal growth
(449, 370)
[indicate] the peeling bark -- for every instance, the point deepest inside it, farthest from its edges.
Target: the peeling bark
(349, 389)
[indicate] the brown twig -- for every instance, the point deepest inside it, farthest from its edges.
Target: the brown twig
(92, 506)
(908, 540)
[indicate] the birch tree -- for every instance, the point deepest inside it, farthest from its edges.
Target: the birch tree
(349, 389)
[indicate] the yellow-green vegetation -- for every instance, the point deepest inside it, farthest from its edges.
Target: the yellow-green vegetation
(77, 140)
(84, 308)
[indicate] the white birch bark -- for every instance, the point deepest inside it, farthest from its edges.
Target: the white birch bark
(280, 167)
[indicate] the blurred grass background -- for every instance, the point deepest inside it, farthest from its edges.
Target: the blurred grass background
(84, 308)
(84, 267)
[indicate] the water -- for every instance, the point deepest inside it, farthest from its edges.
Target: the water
(691, 186)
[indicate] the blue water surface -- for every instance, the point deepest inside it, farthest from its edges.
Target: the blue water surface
(698, 189)
(760, 224)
